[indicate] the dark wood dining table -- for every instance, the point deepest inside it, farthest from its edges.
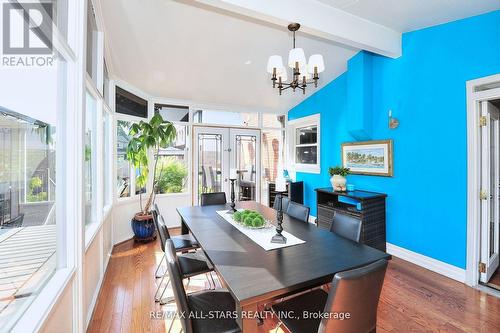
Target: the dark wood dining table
(255, 276)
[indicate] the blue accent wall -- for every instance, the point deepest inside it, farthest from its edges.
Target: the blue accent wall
(426, 89)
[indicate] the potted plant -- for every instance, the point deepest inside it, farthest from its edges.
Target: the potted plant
(147, 136)
(338, 179)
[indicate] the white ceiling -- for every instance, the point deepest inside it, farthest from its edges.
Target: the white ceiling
(409, 15)
(176, 50)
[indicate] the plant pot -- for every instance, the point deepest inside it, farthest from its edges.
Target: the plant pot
(338, 182)
(143, 227)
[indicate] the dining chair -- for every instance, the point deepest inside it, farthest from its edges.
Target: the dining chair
(285, 201)
(204, 185)
(298, 211)
(181, 242)
(355, 292)
(346, 226)
(192, 263)
(213, 181)
(216, 198)
(200, 304)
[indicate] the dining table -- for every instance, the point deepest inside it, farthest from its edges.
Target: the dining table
(255, 276)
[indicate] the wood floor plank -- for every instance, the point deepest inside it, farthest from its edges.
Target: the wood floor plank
(413, 299)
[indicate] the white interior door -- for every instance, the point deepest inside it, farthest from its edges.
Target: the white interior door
(245, 157)
(490, 186)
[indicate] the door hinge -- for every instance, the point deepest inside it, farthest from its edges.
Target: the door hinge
(483, 121)
(483, 195)
(482, 267)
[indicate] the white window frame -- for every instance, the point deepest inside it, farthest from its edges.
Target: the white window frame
(293, 125)
(132, 119)
(69, 176)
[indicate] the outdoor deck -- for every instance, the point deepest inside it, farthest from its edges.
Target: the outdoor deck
(27, 259)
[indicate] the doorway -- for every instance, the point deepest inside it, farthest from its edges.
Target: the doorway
(483, 221)
(219, 149)
(490, 186)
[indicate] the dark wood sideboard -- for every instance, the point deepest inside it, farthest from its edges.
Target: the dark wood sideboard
(295, 191)
(369, 207)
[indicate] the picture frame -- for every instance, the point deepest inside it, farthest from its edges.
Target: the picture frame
(373, 158)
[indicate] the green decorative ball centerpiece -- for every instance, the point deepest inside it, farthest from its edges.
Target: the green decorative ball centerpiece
(249, 218)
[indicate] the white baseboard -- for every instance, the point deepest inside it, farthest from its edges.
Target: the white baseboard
(453, 272)
(312, 219)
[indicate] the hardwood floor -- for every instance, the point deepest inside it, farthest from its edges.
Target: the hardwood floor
(413, 299)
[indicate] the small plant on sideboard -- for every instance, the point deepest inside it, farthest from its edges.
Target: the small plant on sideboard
(338, 179)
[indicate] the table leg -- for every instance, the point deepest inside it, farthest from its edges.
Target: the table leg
(184, 228)
(249, 321)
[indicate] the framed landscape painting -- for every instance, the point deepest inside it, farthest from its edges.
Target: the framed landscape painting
(368, 157)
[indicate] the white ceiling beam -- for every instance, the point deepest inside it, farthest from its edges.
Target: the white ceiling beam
(319, 19)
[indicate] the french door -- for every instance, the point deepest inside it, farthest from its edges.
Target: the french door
(490, 186)
(219, 149)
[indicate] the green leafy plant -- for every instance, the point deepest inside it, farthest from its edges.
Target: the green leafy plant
(35, 193)
(171, 175)
(250, 218)
(338, 171)
(146, 136)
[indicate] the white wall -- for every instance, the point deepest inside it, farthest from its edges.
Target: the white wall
(125, 209)
(60, 320)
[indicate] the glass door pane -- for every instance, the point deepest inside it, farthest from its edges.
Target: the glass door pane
(209, 164)
(245, 157)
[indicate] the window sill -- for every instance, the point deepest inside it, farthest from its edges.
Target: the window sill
(316, 169)
(38, 311)
(126, 200)
(180, 194)
(106, 212)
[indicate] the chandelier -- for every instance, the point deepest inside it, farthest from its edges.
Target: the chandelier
(303, 73)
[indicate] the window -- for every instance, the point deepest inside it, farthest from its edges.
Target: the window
(89, 168)
(173, 113)
(91, 65)
(306, 145)
(226, 118)
(172, 167)
(122, 164)
(272, 151)
(130, 104)
(32, 169)
(306, 139)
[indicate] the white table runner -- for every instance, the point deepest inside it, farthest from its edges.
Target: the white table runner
(261, 236)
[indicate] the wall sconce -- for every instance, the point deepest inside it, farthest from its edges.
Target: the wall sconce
(393, 122)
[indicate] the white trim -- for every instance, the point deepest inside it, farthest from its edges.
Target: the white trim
(312, 120)
(453, 272)
(473, 174)
(312, 219)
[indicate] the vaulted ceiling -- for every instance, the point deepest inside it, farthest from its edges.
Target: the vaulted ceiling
(186, 51)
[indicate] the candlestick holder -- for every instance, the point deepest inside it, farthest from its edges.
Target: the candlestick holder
(232, 204)
(279, 238)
